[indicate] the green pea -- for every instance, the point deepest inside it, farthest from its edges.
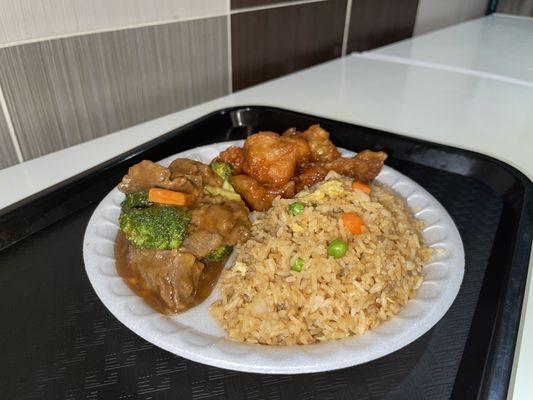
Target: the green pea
(298, 264)
(337, 248)
(296, 208)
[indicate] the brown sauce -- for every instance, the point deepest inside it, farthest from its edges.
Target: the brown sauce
(206, 282)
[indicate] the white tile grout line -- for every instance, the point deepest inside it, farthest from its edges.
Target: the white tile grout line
(443, 67)
(10, 128)
(500, 15)
(346, 28)
(161, 22)
(230, 48)
(272, 6)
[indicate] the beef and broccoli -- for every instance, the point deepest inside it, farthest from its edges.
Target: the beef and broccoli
(177, 226)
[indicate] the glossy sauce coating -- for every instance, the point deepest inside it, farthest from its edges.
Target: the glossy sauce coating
(206, 282)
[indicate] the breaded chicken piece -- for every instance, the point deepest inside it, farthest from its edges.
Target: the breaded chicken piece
(294, 137)
(269, 159)
(322, 150)
(232, 155)
(258, 197)
(311, 174)
(270, 165)
(364, 167)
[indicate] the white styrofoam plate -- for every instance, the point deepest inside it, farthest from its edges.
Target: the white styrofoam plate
(195, 335)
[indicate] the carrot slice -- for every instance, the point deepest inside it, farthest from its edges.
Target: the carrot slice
(165, 196)
(361, 186)
(352, 222)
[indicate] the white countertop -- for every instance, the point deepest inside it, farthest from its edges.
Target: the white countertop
(497, 46)
(470, 111)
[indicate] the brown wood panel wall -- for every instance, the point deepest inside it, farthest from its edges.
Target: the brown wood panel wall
(375, 23)
(273, 42)
(518, 7)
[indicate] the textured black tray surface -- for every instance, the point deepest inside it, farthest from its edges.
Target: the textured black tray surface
(59, 341)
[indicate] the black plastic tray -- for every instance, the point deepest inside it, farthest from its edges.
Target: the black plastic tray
(59, 341)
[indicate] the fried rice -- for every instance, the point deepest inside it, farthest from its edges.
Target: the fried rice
(262, 300)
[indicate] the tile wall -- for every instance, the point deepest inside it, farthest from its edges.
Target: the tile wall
(436, 14)
(375, 23)
(516, 7)
(74, 70)
(8, 153)
(272, 42)
(65, 91)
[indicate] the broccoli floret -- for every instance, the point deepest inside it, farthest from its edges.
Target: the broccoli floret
(136, 200)
(230, 194)
(157, 227)
(218, 254)
(222, 169)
